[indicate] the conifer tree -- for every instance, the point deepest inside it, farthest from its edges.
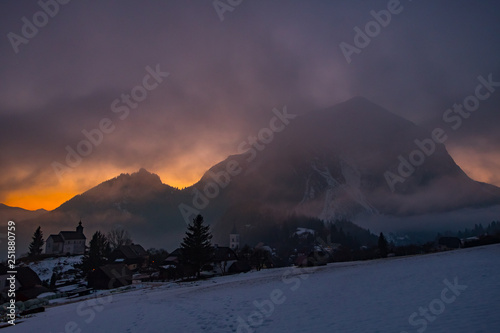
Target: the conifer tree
(196, 246)
(99, 249)
(382, 245)
(35, 247)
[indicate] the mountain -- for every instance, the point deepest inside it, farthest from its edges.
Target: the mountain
(8, 213)
(330, 163)
(138, 202)
(23, 231)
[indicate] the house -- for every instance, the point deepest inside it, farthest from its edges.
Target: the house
(110, 276)
(174, 258)
(224, 257)
(240, 266)
(133, 255)
(27, 283)
(450, 242)
(316, 257)
(176, 266)
(67, 242)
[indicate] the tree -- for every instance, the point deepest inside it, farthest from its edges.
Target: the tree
(35, 248)
(99, 249)
(382, 245)
(118, 237)
(261, 257)
(53, 280)
(196, 247)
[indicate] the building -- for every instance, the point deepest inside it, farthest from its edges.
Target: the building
(110, 276)
(67, 242)
(450, 242)
(27, 284)
(133, 255)
(234, 239)
(177, 266)
(224, 257)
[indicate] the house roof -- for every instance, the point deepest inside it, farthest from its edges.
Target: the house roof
(32, 292)
(223, 253)
(72, 235)
(116, 271)
(239, 266)
(56, 238)
(27, 277)
(176, 253)
(132, 251)
(174, 256)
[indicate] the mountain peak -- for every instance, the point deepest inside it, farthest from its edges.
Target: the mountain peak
(358, 100)
(359, 104)
(142, 176)
(143, 171)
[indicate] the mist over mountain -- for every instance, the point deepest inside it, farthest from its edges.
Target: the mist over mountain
(15, 213)
(330, 164)
(355, 143)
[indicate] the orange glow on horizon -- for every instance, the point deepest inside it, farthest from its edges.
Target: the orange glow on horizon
(187, 171)
(40, 200)
(49, 198)
(478, 166)
(48, 192)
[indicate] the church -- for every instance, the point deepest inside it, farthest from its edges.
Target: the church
(67, 242)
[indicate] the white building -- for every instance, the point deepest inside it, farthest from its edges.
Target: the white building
(234, 239)
(67, 242)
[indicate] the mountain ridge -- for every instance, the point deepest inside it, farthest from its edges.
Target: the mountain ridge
(327, 164)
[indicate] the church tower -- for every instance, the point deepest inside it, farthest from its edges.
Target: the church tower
(234, 239)
(79, 229)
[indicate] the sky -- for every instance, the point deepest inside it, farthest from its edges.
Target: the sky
(100, 88)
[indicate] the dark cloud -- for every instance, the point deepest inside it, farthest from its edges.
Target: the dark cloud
(225, 77)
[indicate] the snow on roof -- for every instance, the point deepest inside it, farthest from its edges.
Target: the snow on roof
(70, 287)
(47, 294)
(45, 267)
(302, 231)
(132, 251)
(265, 248)
(168, 266)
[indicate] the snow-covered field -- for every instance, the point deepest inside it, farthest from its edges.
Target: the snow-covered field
(457, 291)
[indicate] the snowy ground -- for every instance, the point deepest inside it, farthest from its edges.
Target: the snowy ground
(45, 267)
(374, 296)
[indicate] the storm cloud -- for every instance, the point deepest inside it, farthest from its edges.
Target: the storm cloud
(225, 77)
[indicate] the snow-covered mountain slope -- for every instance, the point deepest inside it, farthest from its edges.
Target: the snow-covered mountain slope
(453, 291)
(342, 197)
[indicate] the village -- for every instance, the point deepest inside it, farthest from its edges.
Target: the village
(71, 269)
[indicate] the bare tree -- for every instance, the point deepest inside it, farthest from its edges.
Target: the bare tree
(118, 237)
